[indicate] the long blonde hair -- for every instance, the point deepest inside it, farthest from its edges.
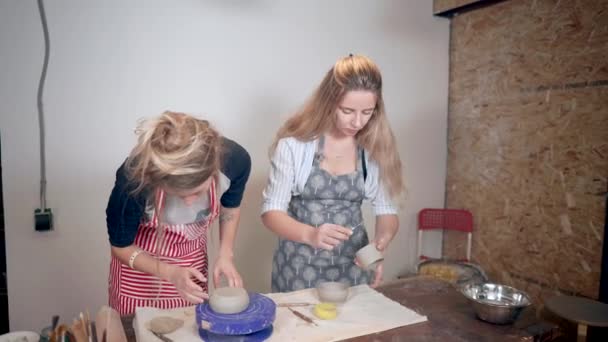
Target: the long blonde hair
(176, 151)
(318, 114)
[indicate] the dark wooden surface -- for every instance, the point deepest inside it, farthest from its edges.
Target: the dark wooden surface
(450, 317)
(579, 310)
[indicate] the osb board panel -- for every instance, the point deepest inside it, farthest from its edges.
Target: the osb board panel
(518, 45)
(446, 5)
(528, 141)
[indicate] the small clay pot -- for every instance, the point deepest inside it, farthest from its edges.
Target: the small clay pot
(229, 300)
(369, 257)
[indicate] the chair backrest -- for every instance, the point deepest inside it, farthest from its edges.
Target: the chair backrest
(452, 219)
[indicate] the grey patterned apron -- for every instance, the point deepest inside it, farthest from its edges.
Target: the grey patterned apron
(325, 199)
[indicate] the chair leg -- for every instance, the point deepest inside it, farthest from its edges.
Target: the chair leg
(568, 330)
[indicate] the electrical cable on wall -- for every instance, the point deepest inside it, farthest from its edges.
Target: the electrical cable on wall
(43, 216)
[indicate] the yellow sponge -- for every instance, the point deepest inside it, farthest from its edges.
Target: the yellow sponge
(326, 311)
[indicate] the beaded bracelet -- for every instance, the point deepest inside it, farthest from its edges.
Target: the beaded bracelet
(133, 256)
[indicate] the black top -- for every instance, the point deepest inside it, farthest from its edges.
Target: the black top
(125, 210)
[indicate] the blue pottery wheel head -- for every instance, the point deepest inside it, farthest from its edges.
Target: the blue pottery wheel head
(258, 336)
(259, 315)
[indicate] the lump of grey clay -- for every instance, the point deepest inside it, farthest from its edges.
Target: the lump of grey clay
(165, 325)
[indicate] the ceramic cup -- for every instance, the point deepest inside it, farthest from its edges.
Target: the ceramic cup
(369, 257)
(229, 300)
(332, 292)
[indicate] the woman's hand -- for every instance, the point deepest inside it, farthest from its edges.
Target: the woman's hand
(328, 236)
(381, 245)
(182, 278)
(379, 272)
(225, 266)
(382, 242)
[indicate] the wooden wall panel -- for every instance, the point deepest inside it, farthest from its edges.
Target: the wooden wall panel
(528, 140)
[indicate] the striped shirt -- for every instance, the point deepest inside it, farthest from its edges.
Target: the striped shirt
(290, 167)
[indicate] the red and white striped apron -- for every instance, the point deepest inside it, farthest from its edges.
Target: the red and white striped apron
(182, 244)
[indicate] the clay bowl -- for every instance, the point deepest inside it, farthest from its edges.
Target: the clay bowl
(332, 292)
(229, 300)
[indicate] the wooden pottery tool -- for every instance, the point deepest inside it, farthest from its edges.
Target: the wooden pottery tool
(303, 317)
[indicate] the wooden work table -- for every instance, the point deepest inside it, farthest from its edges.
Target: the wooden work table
(450, 317)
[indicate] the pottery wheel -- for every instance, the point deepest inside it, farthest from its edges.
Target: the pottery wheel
(258, 336)
(259, 315)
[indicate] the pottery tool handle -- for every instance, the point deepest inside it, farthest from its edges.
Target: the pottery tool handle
(162, 337)
(108, 320)
(286, 305)
(302, 316)
(79, 333)
(93, 332)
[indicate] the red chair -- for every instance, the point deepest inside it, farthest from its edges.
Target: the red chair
(453, 219)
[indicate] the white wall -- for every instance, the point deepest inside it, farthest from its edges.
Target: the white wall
(244, 64)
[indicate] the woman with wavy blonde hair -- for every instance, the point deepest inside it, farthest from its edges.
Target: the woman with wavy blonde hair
(180, 176)
(337, 151)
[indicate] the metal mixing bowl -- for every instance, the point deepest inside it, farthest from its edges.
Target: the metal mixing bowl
(496, 303)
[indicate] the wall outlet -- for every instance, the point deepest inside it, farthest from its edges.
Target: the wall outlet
(43, 220)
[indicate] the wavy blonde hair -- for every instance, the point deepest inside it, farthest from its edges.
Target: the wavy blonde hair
(175, 151)
(318, 116)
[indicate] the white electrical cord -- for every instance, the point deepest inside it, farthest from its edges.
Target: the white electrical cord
(40, 107)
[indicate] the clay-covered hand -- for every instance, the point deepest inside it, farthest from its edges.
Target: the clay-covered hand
(225, 266)
(328, 236)
(183, 280)
(379, 272)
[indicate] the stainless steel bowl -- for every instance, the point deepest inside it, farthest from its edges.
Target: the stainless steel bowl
(495, 303)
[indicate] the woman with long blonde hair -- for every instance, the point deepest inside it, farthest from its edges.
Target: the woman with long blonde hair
(180, 176)
(337, 151)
